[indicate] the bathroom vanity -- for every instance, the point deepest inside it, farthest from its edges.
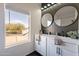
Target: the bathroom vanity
(47, 45)
(59, 25)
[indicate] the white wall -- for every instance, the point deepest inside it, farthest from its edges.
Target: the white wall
(35, 24)
(26, 48)
(1, 26)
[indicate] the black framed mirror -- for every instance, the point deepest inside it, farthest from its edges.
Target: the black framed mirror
(47, 20)
(65, 16)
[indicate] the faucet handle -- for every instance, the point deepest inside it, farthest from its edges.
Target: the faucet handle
(58, 41)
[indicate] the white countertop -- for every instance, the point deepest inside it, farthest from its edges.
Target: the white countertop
(65, 39)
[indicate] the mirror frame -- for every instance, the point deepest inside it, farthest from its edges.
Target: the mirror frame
(72, 22)
(51, 22)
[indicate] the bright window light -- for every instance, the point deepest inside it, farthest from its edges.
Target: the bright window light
(17, 28)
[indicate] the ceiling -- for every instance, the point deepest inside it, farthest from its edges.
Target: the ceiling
(23, 7)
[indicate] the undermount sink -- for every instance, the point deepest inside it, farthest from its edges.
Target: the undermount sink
(58, 41)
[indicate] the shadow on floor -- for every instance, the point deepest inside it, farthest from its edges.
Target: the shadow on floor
(34, 54)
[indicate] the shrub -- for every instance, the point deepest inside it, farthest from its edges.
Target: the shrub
(14, 28)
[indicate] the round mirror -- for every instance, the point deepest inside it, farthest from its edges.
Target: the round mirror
(65, 16)
(47, 20)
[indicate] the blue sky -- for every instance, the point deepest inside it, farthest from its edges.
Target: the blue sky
(16, 17)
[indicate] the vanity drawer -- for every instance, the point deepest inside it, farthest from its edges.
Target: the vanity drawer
(70, 47)
(67, 53)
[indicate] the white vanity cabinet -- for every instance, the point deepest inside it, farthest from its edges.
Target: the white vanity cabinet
(69, 47)
(47, 46)
(40, 44)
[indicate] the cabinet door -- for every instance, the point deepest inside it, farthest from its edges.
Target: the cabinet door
(67, 53)
(51, 49)
(48, 46)
(37, 44)
(69, 49)
(43, 45)
(37, 47)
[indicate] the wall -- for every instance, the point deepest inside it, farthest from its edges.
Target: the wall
(35, 23)
(78, 25)
(35, 14)
(1, 26)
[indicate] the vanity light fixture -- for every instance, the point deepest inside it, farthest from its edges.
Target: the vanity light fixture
(45, 6)
(48, 4)
(52, 3)
(42, 8)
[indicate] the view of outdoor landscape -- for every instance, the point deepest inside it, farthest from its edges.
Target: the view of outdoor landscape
(16, 27)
